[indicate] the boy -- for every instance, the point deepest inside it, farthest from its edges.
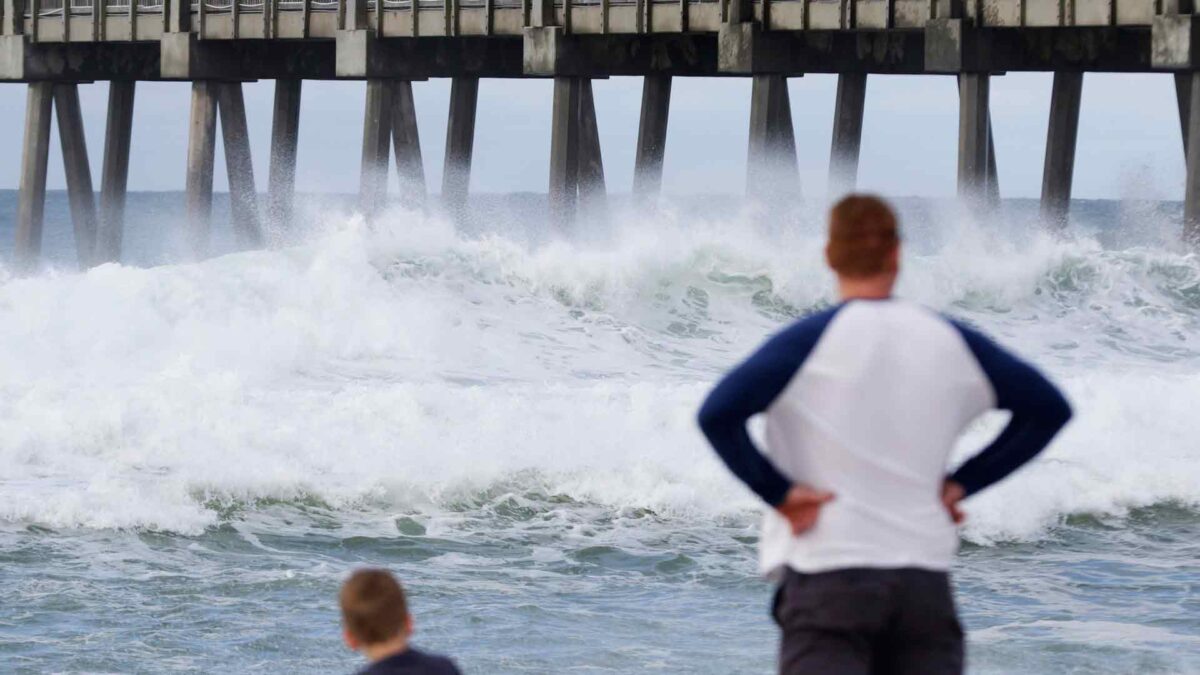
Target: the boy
(376, 622)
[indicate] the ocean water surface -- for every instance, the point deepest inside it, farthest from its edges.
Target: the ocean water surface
(193, 455)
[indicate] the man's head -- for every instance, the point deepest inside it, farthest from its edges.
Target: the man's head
(864, 243)
(374, 610)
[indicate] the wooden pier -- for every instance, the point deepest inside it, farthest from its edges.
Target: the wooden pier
(54, 45)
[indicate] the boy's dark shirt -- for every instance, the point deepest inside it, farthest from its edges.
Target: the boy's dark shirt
(412, 662)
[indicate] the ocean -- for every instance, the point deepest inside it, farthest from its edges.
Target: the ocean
(193, 455)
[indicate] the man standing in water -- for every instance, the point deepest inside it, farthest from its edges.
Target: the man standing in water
(864, 402)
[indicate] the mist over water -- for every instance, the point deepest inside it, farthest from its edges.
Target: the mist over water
(192, 455)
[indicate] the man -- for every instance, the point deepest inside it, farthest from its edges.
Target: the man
(864, 402)
(376, 622)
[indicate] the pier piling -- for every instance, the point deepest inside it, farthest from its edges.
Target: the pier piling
(114, 176)
(377, 128)
(285, 135)
(1062, 132)
(77, 171)
(407, 144)
(1183, 99)
(652, 137)
(460, 142)
(591, 161)
(243, 195)
(564, 150)
(202, 140)
(973, 136)
(847, 131)
(771, 167)
(35, 153)
(1191, 200)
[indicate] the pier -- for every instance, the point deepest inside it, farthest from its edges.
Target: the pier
(53, 46)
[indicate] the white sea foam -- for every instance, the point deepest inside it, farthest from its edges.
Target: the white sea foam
(403, 366)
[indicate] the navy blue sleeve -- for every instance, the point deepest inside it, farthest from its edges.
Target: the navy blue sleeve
(1038, 410)
(750, 389)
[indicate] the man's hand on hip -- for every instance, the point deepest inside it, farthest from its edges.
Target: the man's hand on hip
(802, 505)
(952, 494)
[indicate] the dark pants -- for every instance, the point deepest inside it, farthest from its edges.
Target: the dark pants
(868, 622)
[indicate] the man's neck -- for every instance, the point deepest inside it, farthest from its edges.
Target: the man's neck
(864, 289)
(382, 650)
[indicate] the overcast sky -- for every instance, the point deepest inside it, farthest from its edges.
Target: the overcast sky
(1129, 142)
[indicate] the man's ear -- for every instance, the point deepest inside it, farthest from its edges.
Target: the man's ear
(408, 626)
(351, 642)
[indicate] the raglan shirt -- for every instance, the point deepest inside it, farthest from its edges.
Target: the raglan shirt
(867, 400)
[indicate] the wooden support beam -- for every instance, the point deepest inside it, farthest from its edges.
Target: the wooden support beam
(285, 135)
(377, 126)
(77, 171)
(202, 138)
(31, 201)
(591, 161)
(1061, 134)
(243, 193)
(771, 165)
(972, 136)
(460, 141)
(652, 137)
(114, 176)
(564, 151)
(407, 145)
(1191, 199)
(847, 132)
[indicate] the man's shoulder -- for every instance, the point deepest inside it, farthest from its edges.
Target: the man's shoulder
(412, 662)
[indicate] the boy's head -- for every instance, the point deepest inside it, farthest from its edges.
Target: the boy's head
(864, 240)
(374, 609)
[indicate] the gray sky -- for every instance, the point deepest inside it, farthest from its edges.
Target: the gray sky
(1129, 143)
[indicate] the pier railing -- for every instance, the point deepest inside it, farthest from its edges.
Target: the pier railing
(83, 20)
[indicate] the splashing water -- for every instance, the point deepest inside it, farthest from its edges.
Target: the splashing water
(192, 455)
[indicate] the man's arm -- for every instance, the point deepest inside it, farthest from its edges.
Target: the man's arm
(750, 389)
(1038, 410)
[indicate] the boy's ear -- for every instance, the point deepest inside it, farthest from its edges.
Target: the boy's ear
(351, 642)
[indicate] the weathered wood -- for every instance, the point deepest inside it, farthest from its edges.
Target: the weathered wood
(243, 193)
(285, 135)
(1191, 199)
(772, 169)
(972, 136)
(35, 152)
(1061, 134)
(591, 162)
(77, 171)
(202, 138)
(114, 176)
(847, 131)
(377, 125)
(564, 151)
(652, 137)
(407, 145)
(460, 141)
